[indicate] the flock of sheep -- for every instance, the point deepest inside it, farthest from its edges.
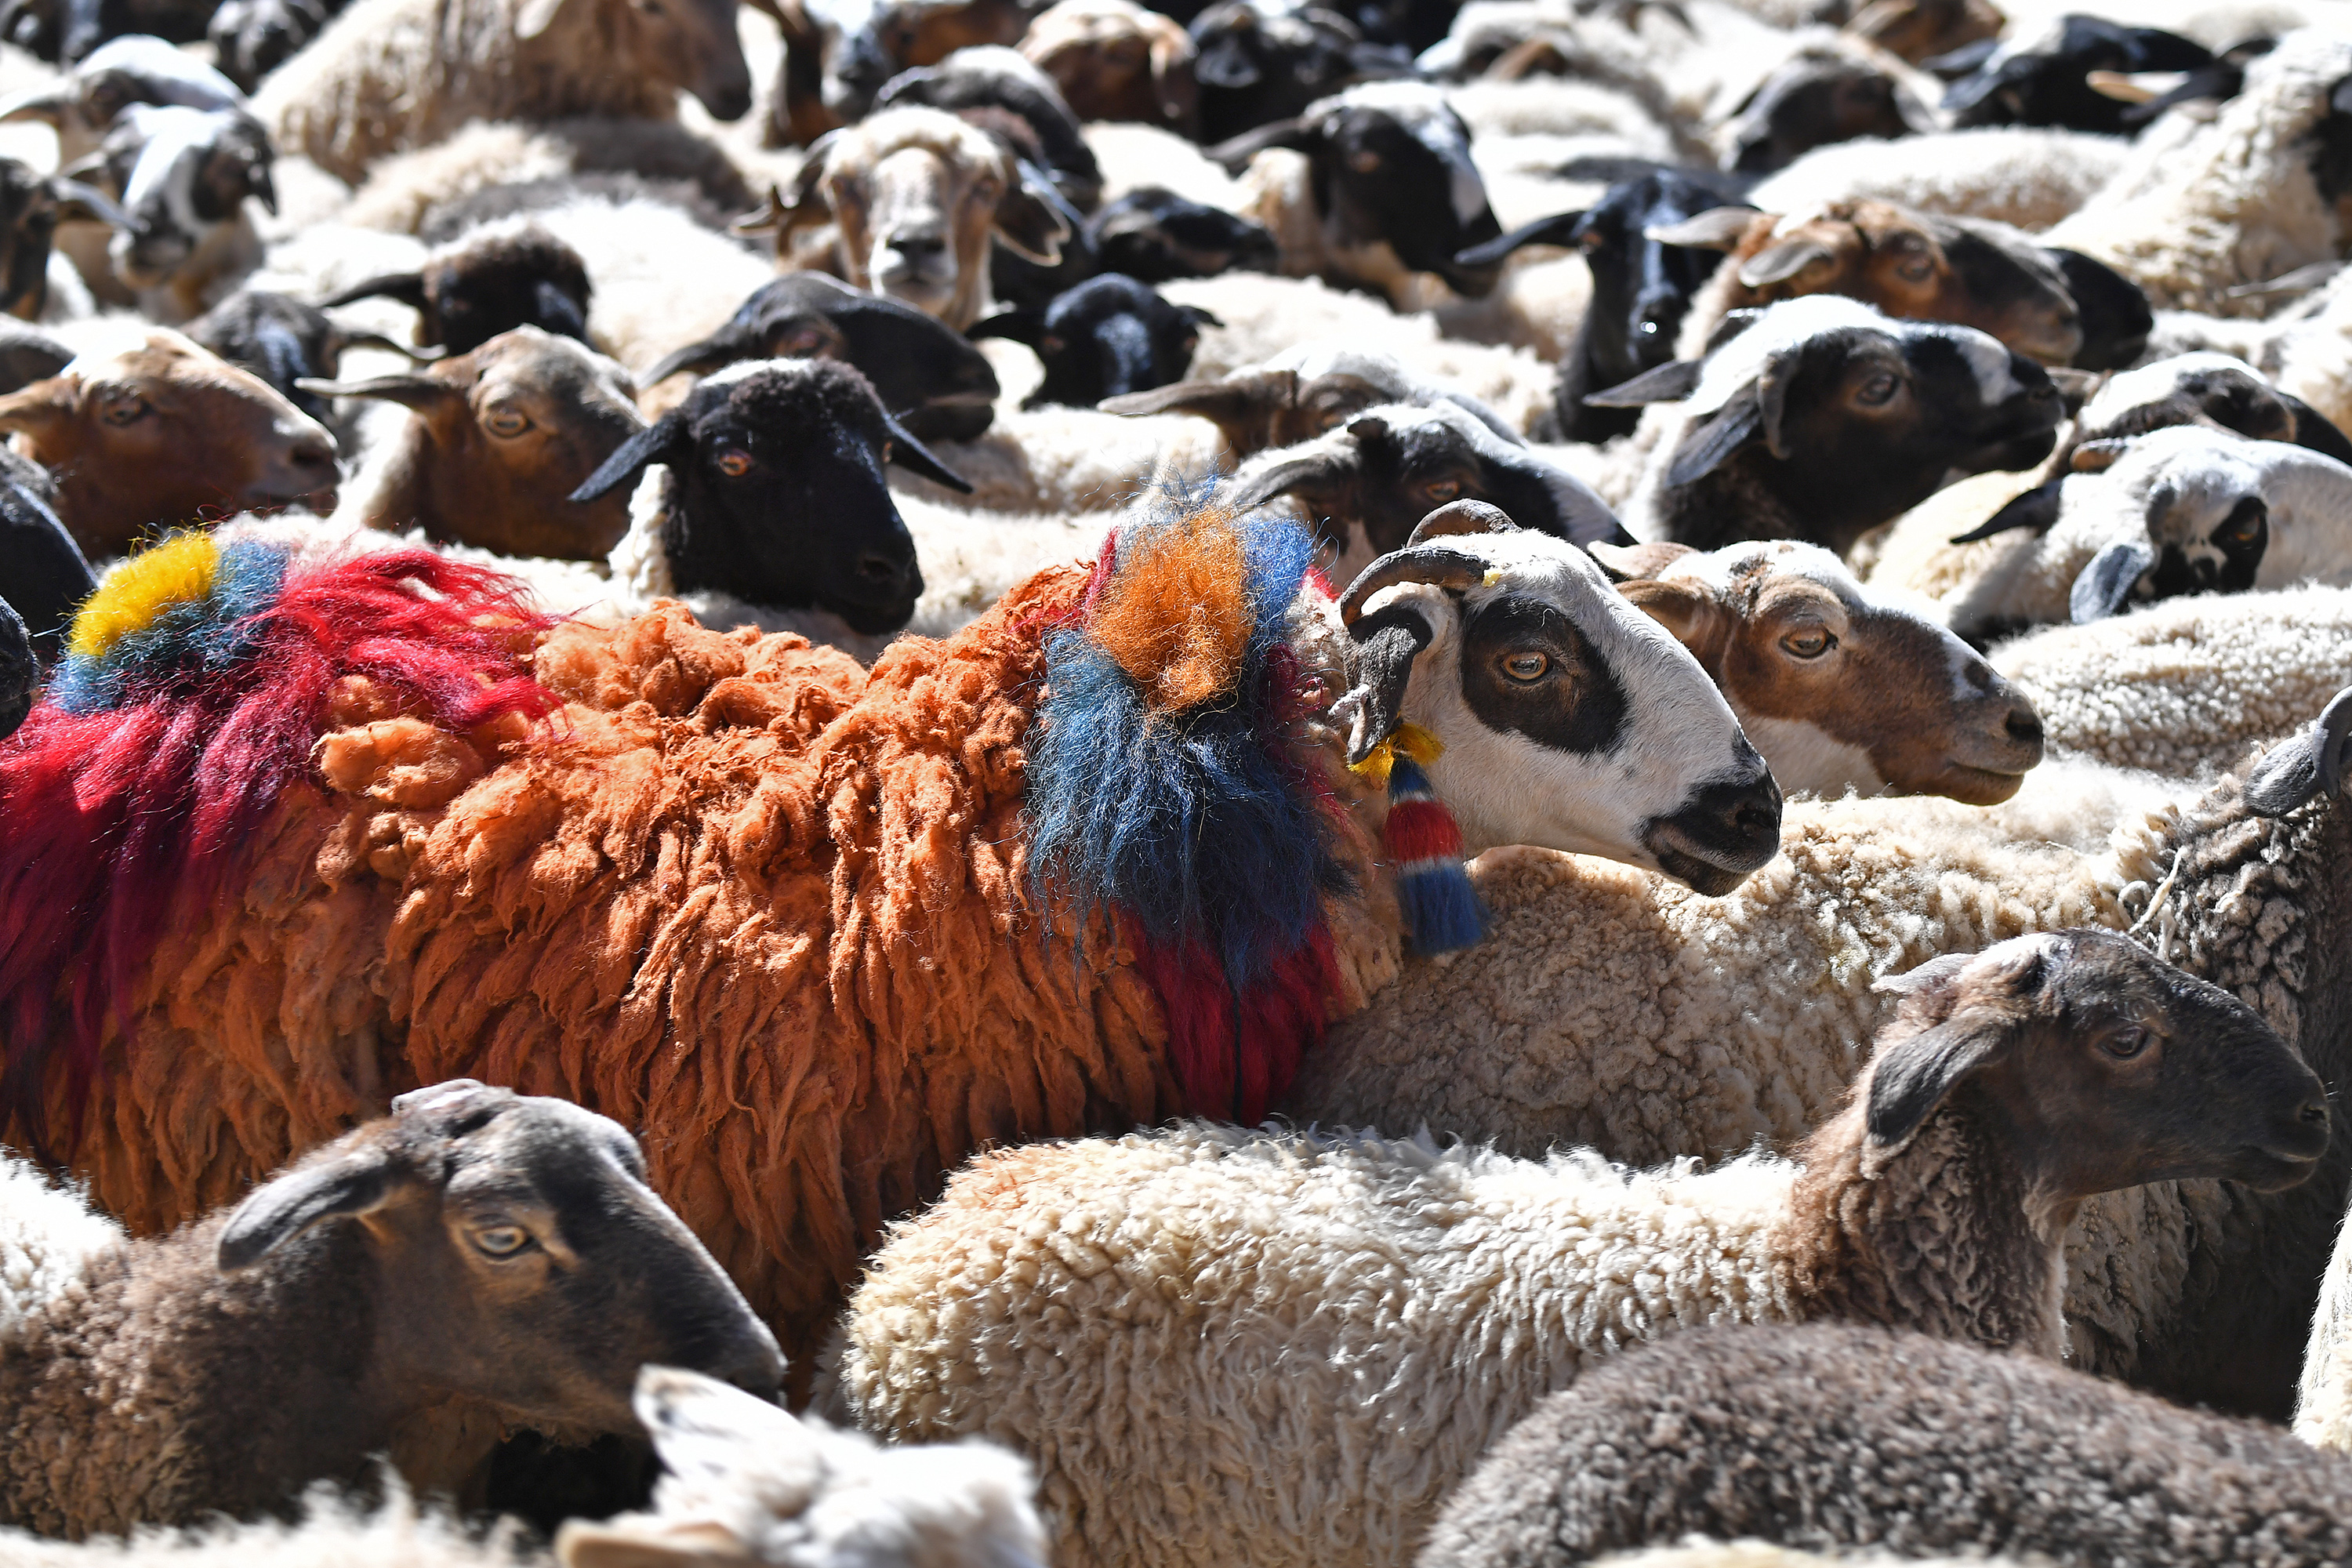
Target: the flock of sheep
(1470, 785)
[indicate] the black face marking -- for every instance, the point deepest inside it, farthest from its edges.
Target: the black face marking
(2226, 563)
(1385, 183)
(1575, 704)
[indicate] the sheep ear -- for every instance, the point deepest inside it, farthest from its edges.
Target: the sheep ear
(1297, 134)
(1200, 317)
(1033, 218)
(1557, 229)
(1937, 974)
(1173, 86)
(668, 441)
(277, 1213)
(779, 215)
(702, 1428)
(648, 1541)
(1244, 400)
(1909, 1079)
(48, 104)
(77, 199)
(1772, 384)
(2310, 763)
(2097, 457)
(2037, 508)
(712, 354)
(1694, 617)
(1668, 383)
(405, 288)
(2317, 431)
(916, 459)
(1387, 642)
(418, 392)
(1918, 118)
(1326, 482)
(1627, 562)
(346, 339)
(2104, 587)
(1710, 444)
(33, 408)
(1718, 229)
(1776, 263)
(533, 17)
(1024, 324)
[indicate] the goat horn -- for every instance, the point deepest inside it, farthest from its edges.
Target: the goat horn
(1437, 563)
(1461, 517)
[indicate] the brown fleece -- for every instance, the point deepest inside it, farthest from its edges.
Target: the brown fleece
(765, 908)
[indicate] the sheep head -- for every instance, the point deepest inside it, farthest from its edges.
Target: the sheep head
(687, 44)
(1112, 59)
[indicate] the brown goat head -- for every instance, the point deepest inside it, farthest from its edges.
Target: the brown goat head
(1115, 60)
(160, 432)
(691, 44)
(1909, 264)
(1839, 688)
(497, 439)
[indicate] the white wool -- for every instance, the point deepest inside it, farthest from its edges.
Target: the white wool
(1132, 156)
(48, 1235)
(2026, 176)
(335, 1532)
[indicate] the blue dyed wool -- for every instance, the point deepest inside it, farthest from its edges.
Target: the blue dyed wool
(189, 641)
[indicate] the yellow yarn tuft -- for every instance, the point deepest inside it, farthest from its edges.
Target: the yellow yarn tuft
(179, 570)
(1409, 739)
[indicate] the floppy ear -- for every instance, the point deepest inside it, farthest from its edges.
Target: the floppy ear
(1918, 118)
(533, 17)
(1031, 220)
(1668, 383)
(418, 392)
(49, 104)
(916, 459)
(666, 440)
(2312, 762)
(1695, 617)
(1909, 1079)
(2104, 587)
(2037, 508)
(1710, 443)
(1200, 317)
(354, 1185)
(347, 338)
(780, 215)
(1557, 229)
(1297, 134)
(1024, 324)
(1625, 562)
(260, 185)
(77, 199)
(2317, 431)
(1387, 642)
(712, 354)
(1718, 229)
(650, 1541)
(1772, 398)
(1783, 259)
(1242, 406)
(2098, 456)
(407, 287)
(1326, 482)
(33, 408)
(1173, 86)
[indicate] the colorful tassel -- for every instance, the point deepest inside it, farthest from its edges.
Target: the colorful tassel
(1442, 912)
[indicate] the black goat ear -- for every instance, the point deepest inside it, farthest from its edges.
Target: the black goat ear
(1668, 383)
(1911, 1077)
(1387, 642)
(1025, 324)
(1557, 229)
(2037, 508)
(1033, 218)
(1298, 133)
(277, 1213)
(1773, 398)
(1709, 444)
(407, 287)
(668, 441)
(2104, 587)
(1200, 317)
(2317, 431)
(916, 459)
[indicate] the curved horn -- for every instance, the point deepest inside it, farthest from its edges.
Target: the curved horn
(1441, 565)
(1461, 517)
(2307, 764)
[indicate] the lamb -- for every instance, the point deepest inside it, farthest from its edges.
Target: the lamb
(1379, 187)
(1112, 59)
(1107, 337)
(154, 430)
(171, 1378)
(1379, 1310)
(933, 381)
(1824, 419)
(917, 196)
(391, 74)
(2251, 198)
(495, 443)
(1896, 1441)
(1840, 688)
(1097, 970)
(497, 279)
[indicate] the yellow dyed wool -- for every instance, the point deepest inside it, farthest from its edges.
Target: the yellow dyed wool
(178, 571)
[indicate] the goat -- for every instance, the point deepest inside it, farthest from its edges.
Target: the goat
(496, 442)
(250, 38)
(985, 85)
(159, 431)
(83, 104)
(1841, 90)
(1301, 392)
(1260, 61)
(1824, 419)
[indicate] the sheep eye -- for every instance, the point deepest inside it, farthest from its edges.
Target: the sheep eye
(123, 410)
(506, 422)
(501, 1240)
(1877, 391)
(734, 462)
(1442, 491)
(1364, 163)
(1525, 667)
(1917, 269)
(2126, 1044)
(1809, 642)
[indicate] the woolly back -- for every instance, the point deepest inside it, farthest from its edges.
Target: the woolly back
(1163, 791)
(194, 684)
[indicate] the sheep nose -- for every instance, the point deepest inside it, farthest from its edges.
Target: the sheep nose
(915, 244)
(884, 574)
(2025, 726)
(312, 451)
(753, 1364)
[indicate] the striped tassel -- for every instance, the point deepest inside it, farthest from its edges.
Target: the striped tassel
(1442, 912)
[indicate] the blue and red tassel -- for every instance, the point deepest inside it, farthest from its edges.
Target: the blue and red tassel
(1441, 909)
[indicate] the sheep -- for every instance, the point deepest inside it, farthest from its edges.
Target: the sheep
(1112, 59)
(1904, 264)
(1379, 186)
(250, 38)
(1364, 486)
(933, 381)
(1107, 337)
(987, 84)
(46, 576)
(839, 57)
(1642, 288)
(390, 75)
(497, 277)
(282, 341)
(1073, 988)
(1259, 61)
(496, 441)
(1752, 1012)
(152, 429)
(2252, 196)
(83, 104)
(1154, 236)
(1824, 419)
(917, 196)
(2044, 79)
(1841, 89)
(1838, 687)
(1299, 395)
(1896, 1441)
(2188, 685)
(2030, 178)
(1376, 1312)
(224, 1366)
(183, 238)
